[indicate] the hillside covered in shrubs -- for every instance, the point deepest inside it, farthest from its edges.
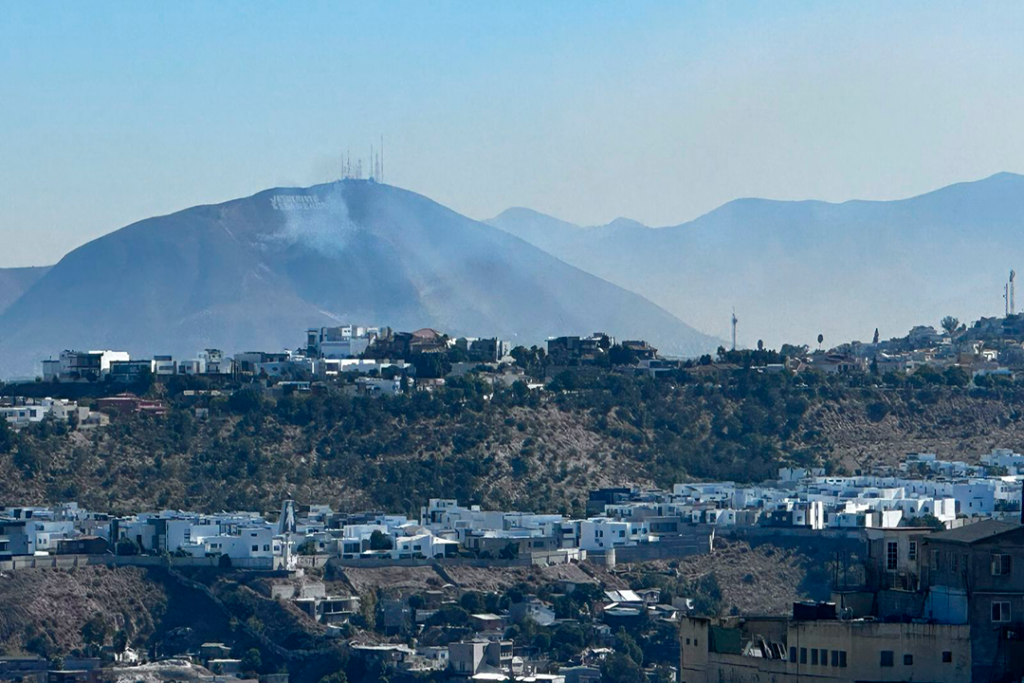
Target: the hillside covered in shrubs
(541, 450)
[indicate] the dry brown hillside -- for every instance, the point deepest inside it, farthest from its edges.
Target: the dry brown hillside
(46, 610)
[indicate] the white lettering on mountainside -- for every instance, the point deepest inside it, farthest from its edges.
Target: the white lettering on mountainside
(296, 202)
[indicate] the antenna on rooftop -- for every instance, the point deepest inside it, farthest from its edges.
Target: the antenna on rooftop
(734, 321)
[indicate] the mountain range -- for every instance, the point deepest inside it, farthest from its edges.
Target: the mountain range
(254, 273)
(794, 269)
(14, 282)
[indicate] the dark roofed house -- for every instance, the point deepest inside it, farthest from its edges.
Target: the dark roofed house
(130, 403)
(641, 349)
(427, 340)
(83, 545)
(974, 533)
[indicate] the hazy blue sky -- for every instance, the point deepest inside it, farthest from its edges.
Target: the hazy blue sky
(110, 112)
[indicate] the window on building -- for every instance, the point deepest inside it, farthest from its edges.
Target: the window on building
(953, 566)
(912, 551)
(908, 660)
(947, 657)
(1001, 565)
(842, 659)
(936, 564)
(886, 658)
(891, 556)
(835, 657)
(814, 656)
(824, 657)
(792, 654)
(803, 655)
(1000, 610)
(255, 548)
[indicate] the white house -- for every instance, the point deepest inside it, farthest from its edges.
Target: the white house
(601, 533)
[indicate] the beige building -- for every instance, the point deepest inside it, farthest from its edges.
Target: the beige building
(786, 650)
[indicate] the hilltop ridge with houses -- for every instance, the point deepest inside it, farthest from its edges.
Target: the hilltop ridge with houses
(897, 540)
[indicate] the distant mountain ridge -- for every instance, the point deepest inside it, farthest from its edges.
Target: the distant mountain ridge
(15, 281)
(254, 273)
(793, 269)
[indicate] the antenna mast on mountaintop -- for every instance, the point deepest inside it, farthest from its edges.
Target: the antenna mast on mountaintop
(734, 321)
(1013, 309)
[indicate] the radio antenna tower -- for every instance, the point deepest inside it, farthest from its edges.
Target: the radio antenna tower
(1013, 309)
(734, 321)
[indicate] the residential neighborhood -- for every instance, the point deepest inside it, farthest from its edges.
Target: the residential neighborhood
(912, 537)
(917, 530)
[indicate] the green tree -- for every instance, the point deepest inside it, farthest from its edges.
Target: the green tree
(618, 668)
(252, 661)
(95, 633)
(949, 324)
(449, 615)
(28, 459)
(120, 641)
(930, 521)
(625, 644)
(6, 437)
(336, 677)
(126, 546)
(956, 376)
(472, 603)
(431, 365)
(245, 401)
(368, 610)
(620, 355)
(877, 410)
(794, 350)
(380, 541)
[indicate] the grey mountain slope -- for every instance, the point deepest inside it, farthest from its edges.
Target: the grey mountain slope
(16, 281)
(794, 269)
(253, 273)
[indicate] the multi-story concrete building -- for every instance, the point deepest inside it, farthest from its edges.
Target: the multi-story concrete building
(975, 575)
(783, 650)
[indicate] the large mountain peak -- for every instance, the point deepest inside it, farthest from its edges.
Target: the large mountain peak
(254, 273)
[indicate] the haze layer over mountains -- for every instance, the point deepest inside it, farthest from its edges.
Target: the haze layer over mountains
(254, 273)
(793, 270)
